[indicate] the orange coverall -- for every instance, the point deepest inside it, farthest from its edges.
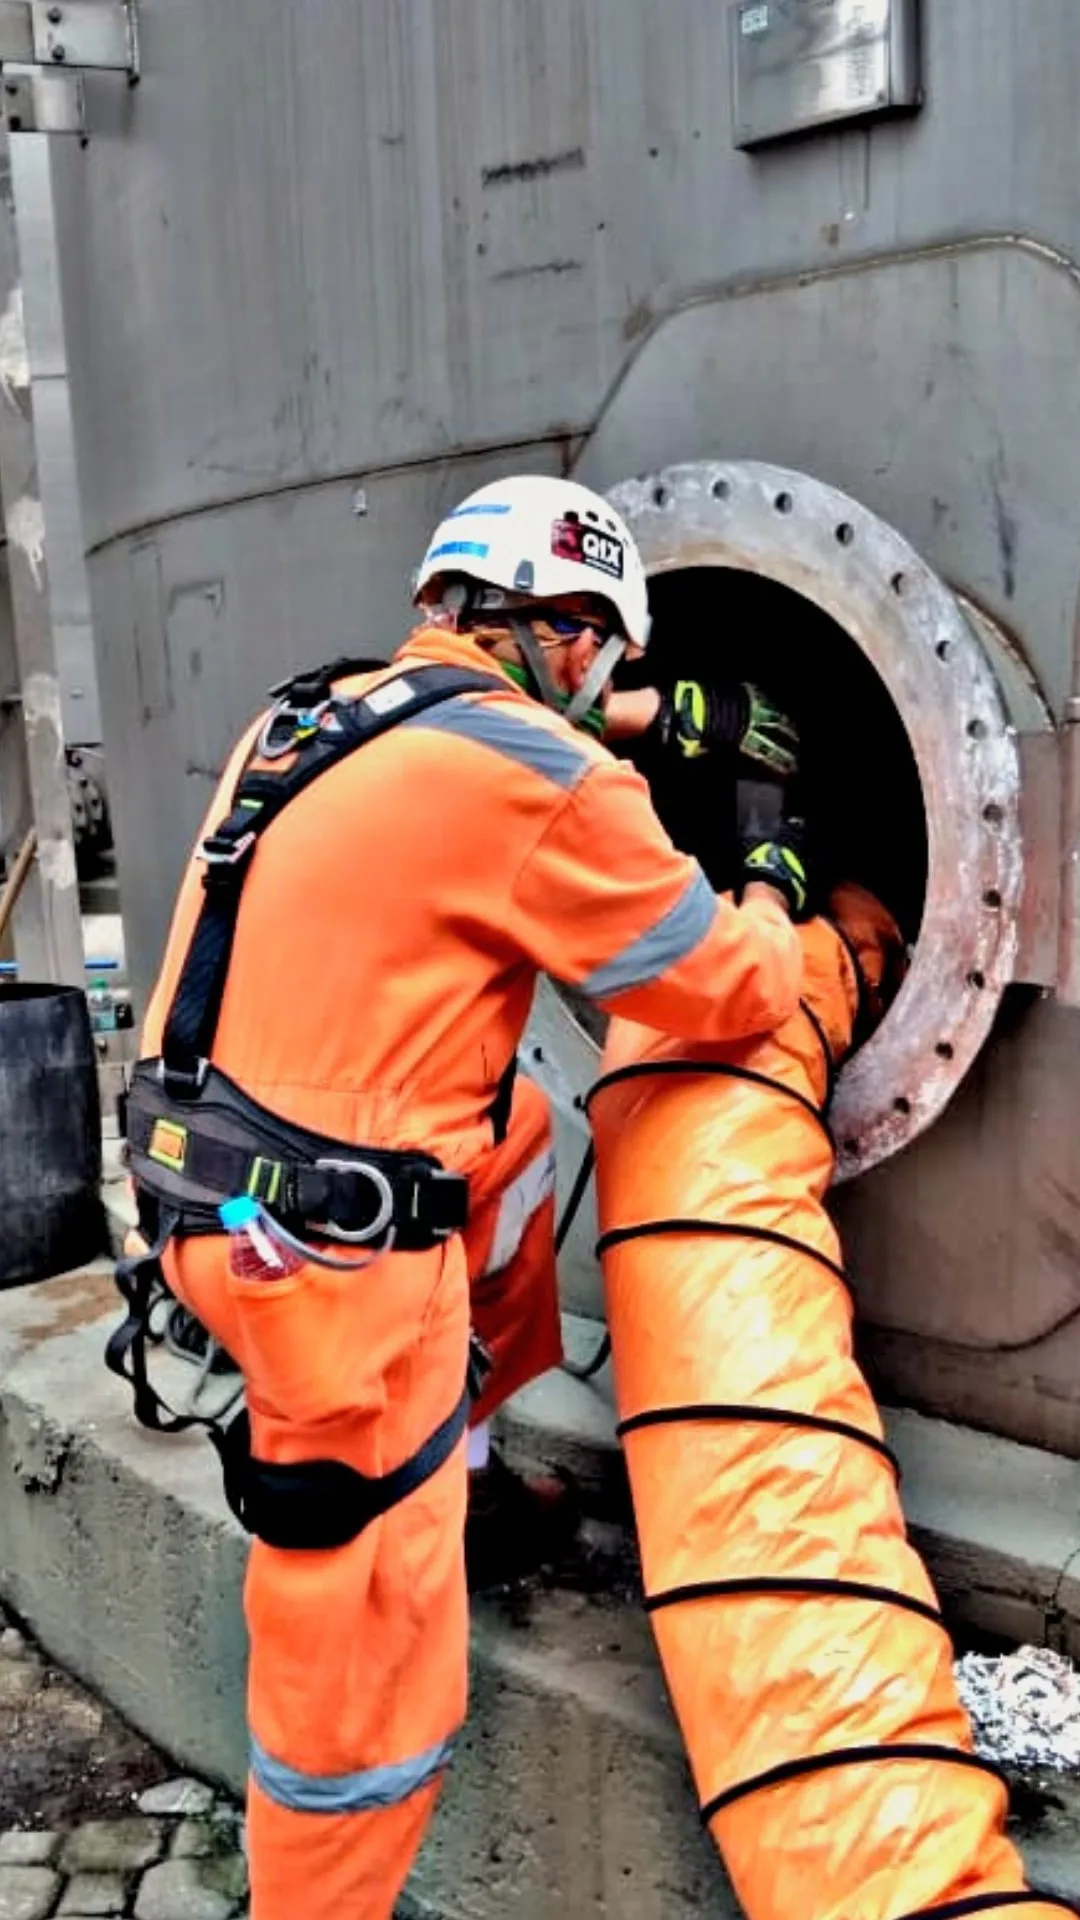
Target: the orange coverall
(389, 939)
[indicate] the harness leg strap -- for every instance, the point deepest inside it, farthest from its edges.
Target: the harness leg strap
(125, 1353)
(318, 1504)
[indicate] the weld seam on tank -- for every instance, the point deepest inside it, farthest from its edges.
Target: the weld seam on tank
(763, 1416)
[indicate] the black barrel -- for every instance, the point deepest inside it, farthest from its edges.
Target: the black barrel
(51, 1214)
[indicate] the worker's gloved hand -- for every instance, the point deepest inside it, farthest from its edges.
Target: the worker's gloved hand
(779, 862)
(695, 718)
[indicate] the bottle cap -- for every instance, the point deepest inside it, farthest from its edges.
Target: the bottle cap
(239, 1212)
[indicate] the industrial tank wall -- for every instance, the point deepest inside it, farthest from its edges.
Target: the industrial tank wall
(329, 265)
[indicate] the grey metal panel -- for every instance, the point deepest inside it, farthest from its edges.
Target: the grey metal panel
(905, 384)
(289, 266)
(317, 239)
(966, 1249)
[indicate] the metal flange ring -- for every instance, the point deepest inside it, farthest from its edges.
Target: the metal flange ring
(790, 528)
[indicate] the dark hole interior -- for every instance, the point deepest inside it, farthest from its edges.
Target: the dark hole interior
(859, 787)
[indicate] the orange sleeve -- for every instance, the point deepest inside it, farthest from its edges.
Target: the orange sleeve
(606, 903)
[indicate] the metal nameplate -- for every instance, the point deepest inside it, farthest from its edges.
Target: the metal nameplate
(801, 64)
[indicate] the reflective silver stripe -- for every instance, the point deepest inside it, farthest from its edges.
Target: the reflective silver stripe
(347, 1792)
(530, 745)
(652, 953)
(520, 1201)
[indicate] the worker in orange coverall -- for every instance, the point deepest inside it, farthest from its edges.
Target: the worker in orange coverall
(332, 1038)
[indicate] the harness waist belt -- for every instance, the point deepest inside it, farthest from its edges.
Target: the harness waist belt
(190, 1156)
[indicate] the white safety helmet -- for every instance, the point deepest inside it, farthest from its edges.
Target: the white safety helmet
(544, 538)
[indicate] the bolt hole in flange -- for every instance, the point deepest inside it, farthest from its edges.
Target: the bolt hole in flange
(912, 775)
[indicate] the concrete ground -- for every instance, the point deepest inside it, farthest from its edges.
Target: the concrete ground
(93, 1821)
(570, 1793)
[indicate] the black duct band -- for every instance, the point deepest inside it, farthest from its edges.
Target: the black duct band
(847, 1757)
(757, 1416)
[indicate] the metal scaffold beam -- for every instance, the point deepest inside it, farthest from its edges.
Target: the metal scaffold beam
(33, 786)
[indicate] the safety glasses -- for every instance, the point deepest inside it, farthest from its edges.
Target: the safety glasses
(571, 626)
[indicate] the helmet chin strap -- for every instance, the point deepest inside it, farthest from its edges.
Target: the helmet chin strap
(591, 687)
(537, 662)
(596, 679)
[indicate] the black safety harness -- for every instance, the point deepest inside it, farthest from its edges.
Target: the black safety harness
(195, 1138)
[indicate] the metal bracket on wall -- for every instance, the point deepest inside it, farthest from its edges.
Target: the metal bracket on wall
(47, 45)
(36, 102)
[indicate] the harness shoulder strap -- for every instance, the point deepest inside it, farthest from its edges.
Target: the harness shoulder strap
(316, 743)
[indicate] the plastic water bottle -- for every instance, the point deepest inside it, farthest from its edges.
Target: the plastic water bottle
(102, 1007)
(256, 1250)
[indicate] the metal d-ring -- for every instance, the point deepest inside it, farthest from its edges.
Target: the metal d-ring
(382, 1186)
(267, 748)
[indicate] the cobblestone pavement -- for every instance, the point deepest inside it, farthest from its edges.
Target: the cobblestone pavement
(92, 1820)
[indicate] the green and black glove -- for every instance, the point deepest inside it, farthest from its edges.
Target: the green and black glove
(780, 863)
(695, 718)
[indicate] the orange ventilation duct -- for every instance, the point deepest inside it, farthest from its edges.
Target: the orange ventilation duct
(798, 1628)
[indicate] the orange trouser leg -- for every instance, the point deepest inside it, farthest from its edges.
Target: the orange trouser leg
(357, 1676)
(358, 1862)
(510, 1250)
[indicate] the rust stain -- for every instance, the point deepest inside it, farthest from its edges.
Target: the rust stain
(75, 1301)
(637, 321)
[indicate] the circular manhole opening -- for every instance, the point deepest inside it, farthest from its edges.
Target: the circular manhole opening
(911, 772)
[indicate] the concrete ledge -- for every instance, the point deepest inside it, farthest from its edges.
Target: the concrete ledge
(998, 1523)
(115, 1545)
(570, 1794)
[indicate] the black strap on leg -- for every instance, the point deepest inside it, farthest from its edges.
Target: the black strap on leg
(319, 1504)
(136, 1276)
(314, 1505)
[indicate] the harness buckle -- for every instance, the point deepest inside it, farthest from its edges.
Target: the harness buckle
(358, 1236)
(434, 1175)
(181, 1081)
(217, 852)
